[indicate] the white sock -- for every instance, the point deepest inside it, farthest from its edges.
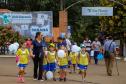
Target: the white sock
(83, 79)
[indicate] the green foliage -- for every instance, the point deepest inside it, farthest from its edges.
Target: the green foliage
(1, 27)
(81, 26)
(8, 35)
(116, 24)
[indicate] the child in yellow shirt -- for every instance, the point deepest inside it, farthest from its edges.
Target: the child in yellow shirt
(83, 61)
(23, 54)
(63, 64)
(73, 57)
(51, 59)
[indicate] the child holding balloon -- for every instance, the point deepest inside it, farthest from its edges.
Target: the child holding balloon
(62, 62)
(22, 58)
(83, 61)
(51, 59)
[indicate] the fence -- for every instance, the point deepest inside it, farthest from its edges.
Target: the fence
(4, 50)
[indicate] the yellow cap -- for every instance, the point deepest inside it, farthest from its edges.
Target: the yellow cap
(51, 45)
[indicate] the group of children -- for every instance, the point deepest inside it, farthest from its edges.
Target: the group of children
(52, 60)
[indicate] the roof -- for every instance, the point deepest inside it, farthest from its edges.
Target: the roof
(4, 10)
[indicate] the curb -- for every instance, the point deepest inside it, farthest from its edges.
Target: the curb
(6, 56)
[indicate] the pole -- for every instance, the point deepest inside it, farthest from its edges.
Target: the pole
(61, 4)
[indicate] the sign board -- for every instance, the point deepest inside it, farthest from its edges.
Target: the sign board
(28, 23)
(69, 32)
(97, 11)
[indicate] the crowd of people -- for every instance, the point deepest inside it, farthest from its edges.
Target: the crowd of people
(59, 58)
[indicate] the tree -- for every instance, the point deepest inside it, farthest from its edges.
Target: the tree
(116, 24)
(82, 26)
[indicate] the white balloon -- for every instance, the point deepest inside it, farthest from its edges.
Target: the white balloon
(75, 48)
(13, 48)
(79, 49)
(49, 75)
(61, 53)
(16, 43)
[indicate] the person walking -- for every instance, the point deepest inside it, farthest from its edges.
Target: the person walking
(83, 62)
(87, 43)
(22, 59)
(109, 53)
(96, 45)
(37, 54)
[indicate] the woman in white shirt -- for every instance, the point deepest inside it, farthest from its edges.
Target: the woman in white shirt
(96, 45)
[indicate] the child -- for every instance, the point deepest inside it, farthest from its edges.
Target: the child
(63, 63)
(73, 57)
(22, 54)
(51, 57)
(83, 60)
(91, 55)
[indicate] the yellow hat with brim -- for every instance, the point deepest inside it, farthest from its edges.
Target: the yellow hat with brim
(51, 45)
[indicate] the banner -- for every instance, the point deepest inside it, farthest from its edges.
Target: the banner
(28, 23)
(97, 11)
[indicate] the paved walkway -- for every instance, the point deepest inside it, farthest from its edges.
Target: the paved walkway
(96, 74)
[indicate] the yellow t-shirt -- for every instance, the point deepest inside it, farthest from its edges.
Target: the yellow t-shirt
(73, 57)
(63, 61)
(83, 58)
(51, 57)
(23, 56)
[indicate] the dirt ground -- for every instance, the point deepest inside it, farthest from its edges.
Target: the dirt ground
(96, 74)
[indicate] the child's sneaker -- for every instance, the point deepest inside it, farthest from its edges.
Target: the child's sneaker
(22, 79)
(19, 79)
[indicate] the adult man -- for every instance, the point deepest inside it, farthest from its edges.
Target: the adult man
(109, 50)
(87, 43)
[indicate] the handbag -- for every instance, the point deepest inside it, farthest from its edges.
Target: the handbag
(100, 56)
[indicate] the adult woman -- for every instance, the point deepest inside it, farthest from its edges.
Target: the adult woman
(96, 45)
(37, 54)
